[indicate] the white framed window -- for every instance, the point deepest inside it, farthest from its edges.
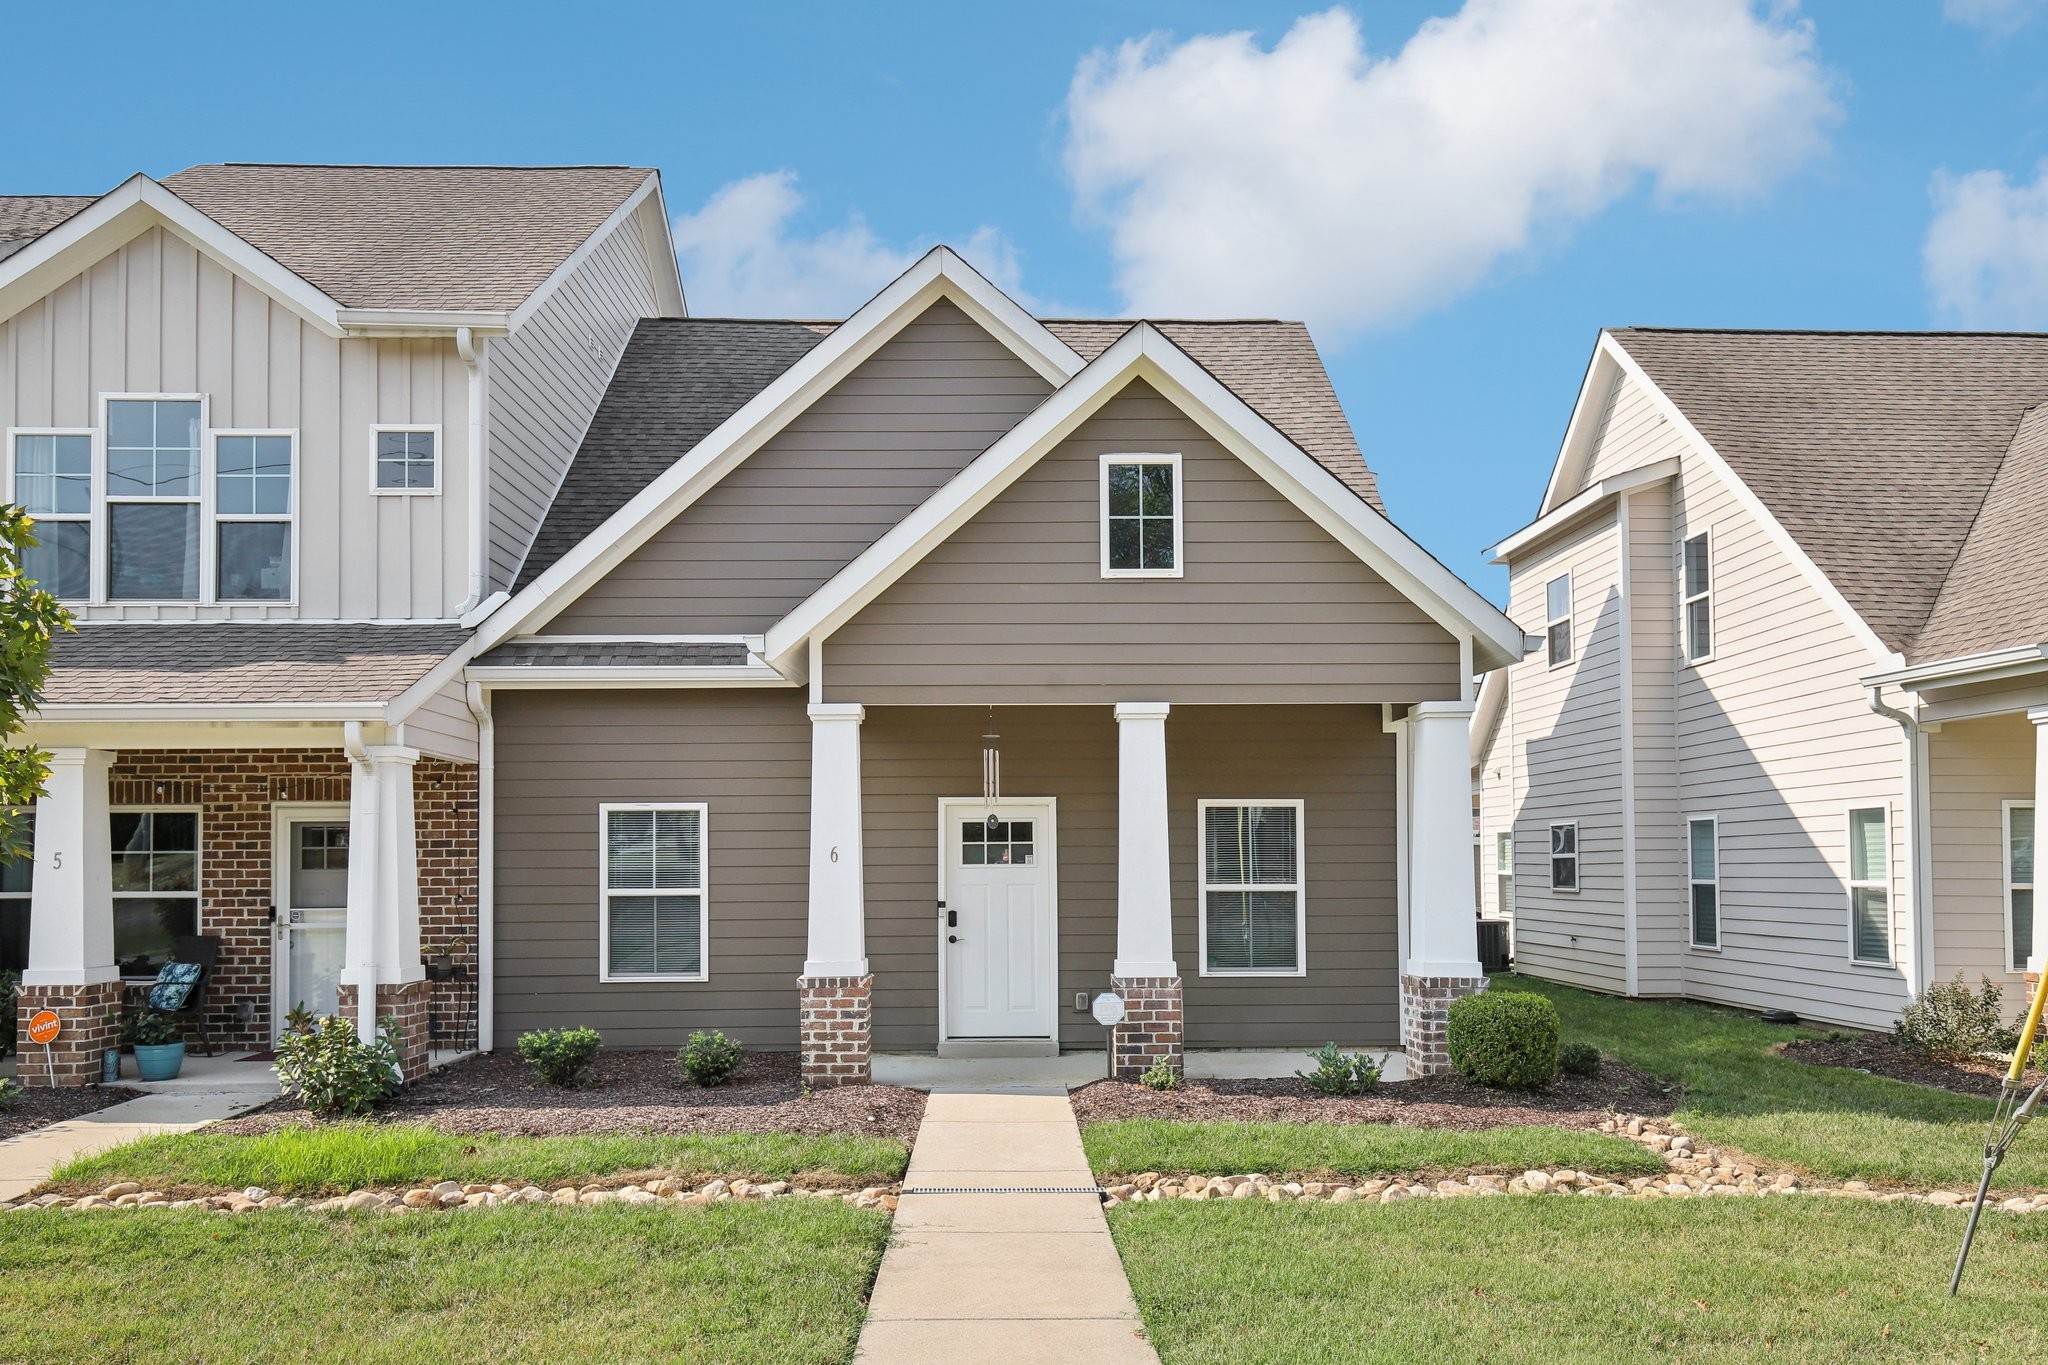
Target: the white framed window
(1504, 872)
(1254, 919)
(1703, 877)
(651, 876)
(405, 459)
(1564, 855)
(1141, 507)
(156, 871)
(50, 475)
(1557, 628)
(1696, 591)
(255, 503)
(2018, 820)
(153, 495)
(1870, 886)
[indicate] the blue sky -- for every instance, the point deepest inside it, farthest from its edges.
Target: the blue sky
(1791, 177)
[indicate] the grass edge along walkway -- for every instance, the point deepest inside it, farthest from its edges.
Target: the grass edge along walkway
(339, 1157)
(1126, 1147)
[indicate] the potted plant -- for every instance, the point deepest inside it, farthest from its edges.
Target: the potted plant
(159, 1051)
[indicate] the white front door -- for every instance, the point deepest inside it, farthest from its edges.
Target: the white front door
(996, 935)
(310, 886)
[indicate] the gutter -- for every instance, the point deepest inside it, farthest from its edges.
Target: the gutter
(1919, 853)
(472, 360)
(479, 699)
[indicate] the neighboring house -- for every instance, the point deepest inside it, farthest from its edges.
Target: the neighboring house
(1783, 739)
(892, 684)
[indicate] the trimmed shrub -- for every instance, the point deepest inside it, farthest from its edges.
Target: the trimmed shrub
(1952, 1021)
(333, 1071)
(1504, 1039)
(710, 1058)
(1160, 1076)
(559, 1056)
(1339, 1074)
(1578, 1059)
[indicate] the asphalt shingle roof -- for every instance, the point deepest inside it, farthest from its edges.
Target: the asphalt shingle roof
(186, 661)
(1876, 452)
(612, 654)
(25, 217)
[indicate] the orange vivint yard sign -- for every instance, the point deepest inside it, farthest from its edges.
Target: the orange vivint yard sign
(44, 1027)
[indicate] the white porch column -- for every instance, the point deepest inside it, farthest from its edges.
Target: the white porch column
(1443, 948)
(838, 919)
(2038, 715)
(383, 936)
(1144, 874)
(71, 917)
(398, 867)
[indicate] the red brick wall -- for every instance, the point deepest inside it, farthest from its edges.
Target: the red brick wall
(235, 790)
(1153, 1028)
(835, 1030)
(74, 1058)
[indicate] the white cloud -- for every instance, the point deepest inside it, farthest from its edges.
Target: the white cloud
(1320, 180)
(1996, 17)
(1986, 254)
(742, 257)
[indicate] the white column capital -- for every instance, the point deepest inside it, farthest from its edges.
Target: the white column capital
(392, 753)
(837, 710)
(2038, 714)
(1442, 710)
(86, 758)
(1142, 710)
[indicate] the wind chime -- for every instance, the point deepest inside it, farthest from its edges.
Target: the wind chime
(991, 769)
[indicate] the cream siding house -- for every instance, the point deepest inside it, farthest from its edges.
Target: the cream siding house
(1777, 808)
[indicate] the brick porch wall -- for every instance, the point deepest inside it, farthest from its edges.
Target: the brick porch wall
(74, 1058)
(405, 1007)
(1153, 1027)
(234, 791)
(1425, 1019)
(835, 1030)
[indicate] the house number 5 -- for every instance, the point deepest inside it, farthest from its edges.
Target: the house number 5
(57, 860)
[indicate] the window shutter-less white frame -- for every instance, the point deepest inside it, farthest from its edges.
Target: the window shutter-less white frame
(1696, 598)
(1171, 461)
(1564, 852)
(1297, 888)
(1870, 888)
(1703, 883)
(2019, 881)
(654, 891)
(1557, 625)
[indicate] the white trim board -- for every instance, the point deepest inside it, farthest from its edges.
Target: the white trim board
(939, 275)
(1145, 353)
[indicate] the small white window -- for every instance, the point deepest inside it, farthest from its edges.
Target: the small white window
(1141, 516)
(1703, 872)
(1564, 856)
(53, 483)
(651, 920)
(153, 498)
(405, 459)
(1504, 872)
(1557, 602)
(2019, 883)
(1253, 919)
(1699, 602)
(252, 511)
(1870, 914)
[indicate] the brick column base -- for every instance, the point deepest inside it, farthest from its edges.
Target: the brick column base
(1426, 1019)
(835, 1029)
(86, 1033)
(407, 1004)
(1151, 1030)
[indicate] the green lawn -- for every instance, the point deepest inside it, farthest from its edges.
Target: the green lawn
(1509, 1280)
(1128, 1146)
(336, 1158)
(1828, 1120)
(784, 1282)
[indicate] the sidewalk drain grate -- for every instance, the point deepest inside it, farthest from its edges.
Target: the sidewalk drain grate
(1003, 1189)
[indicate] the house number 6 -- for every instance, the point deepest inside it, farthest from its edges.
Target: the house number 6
(835, 853)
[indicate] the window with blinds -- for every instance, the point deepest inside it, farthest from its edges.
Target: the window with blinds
(1253, 919)
(651, 924)
(1703, 854)
(2019, 883)
(1870, 900)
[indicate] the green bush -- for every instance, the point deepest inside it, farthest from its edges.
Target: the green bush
(10, 1091)
(710, 1058)
(559, 1056)
(333, 1071)
(1952, 1021)
(1337, 1073)
(1578, 1059)
(1160, 1076)
(1505, 1039)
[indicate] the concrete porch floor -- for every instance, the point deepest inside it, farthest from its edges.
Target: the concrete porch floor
(231, 1070)
(1072, 1070)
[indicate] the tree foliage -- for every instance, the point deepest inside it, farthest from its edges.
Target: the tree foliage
(29, 616)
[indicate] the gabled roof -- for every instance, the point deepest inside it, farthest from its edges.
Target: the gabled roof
(1997, 593)
(1875, 451)
(25, 217)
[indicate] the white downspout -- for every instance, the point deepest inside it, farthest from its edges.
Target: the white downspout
(361, 928)
(465, 346)
(479, 700)
(1918, 854)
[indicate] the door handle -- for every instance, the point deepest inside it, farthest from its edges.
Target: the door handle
(952, 938)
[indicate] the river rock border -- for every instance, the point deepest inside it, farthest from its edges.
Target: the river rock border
(454, 1195)
(1693, 1171)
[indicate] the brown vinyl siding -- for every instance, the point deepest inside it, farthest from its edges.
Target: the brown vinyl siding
(1014, 608)
(746, 754)
(823, 489)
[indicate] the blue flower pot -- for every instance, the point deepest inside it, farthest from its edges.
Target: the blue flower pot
(160, 1062)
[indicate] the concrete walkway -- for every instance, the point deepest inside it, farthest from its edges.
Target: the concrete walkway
(1004, 1275)
(26, 1161)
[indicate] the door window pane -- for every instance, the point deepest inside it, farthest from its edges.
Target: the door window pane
(153, 552)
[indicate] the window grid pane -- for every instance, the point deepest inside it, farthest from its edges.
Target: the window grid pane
(152, 448)
(1251, 875)
(1869, 834)
(53, 475)
(1141, 498)
(1706, 915)
(1705, 856)
(1870, 916)
(405, 459)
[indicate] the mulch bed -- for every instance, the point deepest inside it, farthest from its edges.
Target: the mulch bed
(34, 1109)
(625, 1091)
(1438, 1102)
(1880, 1056)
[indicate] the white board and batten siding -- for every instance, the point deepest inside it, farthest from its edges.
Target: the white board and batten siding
(543, 384)
(158, 316)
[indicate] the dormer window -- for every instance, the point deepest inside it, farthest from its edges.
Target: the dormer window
(406, 459)
(1141, 516)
